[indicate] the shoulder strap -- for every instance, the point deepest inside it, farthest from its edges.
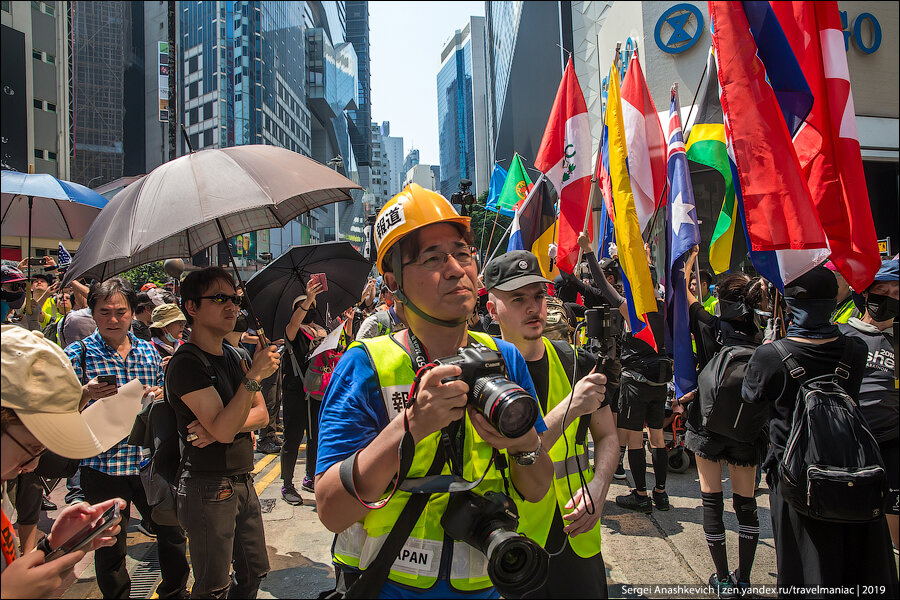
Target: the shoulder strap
(794, 368)
(369, 584)
(843, 367)
(83, 361)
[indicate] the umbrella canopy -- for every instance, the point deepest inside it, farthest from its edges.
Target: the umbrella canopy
(272, 290)
(191, 203)
(62, 210)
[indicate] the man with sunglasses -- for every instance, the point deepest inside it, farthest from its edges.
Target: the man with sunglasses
(426, 258)
(217, 403)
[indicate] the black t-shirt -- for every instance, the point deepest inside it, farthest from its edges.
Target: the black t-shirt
(640, 356)
(540, 371)
(140, 330)
(767, 380)
(186, 373)
(299, 346)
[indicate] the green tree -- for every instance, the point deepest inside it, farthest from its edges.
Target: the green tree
(483, 225)
(149, 273)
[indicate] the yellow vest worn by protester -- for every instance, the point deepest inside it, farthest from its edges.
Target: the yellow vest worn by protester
(535, 518)
(845, 311)
(709, 305)
(418, 563)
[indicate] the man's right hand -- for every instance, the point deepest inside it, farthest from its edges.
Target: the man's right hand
(96, 390)
(589, 394)
(265, 362)
(30, 577)
(437, 404)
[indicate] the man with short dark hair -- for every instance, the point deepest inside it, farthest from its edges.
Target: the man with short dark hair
(140, 325)
(217, 403)
(113, 350)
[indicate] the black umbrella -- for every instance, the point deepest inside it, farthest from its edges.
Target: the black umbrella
(272, 290)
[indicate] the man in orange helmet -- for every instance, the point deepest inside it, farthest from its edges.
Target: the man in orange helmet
(428, 263)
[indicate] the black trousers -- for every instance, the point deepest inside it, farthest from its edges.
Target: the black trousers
(301, 416)
(223, 521)
(109, 563)
(271, 391)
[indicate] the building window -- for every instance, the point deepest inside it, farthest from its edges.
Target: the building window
(207, 138)
(38, 153)
(5, 6)
(50, 58)
(49, 9)
(37, 55)
(51, 107)
(208, 110)
(39, 104)
(51, 155)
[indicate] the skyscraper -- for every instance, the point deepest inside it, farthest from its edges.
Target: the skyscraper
(360, 119)
(462, 110)
(393, 148)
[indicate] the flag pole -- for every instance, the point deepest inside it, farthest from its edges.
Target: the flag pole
(497, 214)
(499, 243)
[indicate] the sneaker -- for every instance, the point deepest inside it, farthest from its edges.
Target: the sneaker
(661, 500)
(290, 495)
(741, 588)
(47, 504)
(308, 484)
(620, 472)
(723, 589)
(268, 446)
(146, 527)
(635, 501)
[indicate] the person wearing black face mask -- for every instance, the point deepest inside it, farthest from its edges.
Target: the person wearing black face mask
(812, 552)
(12, 296)
(878, 396)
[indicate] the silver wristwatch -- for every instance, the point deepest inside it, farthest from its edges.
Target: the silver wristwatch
(528, 458)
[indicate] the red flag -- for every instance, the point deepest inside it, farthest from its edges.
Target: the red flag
(565, 158)
(778, 208)
(828, 144)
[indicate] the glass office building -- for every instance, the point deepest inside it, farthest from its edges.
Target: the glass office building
(361, 118)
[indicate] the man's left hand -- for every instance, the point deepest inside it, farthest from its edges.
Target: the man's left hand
(203, 437)
(156, 390)
(579, 520)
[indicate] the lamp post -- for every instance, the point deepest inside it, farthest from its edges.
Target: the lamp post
(336, 163)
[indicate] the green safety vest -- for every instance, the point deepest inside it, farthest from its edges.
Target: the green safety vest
(418, 563)
(709, 305)
(535, 518)
(845, 311)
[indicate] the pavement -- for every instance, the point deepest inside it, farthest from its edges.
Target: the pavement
(646, 555)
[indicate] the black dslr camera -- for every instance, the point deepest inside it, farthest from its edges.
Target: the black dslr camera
(516, 564)
(463, 197)
(509, 408)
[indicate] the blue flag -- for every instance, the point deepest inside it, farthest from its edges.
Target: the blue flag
(682, 234)
(498, 178)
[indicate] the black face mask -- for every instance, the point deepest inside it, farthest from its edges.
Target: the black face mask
(882, 308)
(14, 299)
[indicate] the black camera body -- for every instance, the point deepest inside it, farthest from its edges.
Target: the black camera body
(508, 407)
(463, 197)
(516, 564)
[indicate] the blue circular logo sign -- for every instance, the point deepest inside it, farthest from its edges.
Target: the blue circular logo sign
(683, 25)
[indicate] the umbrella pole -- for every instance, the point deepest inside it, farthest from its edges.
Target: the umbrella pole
(237, 273)
(28, 256)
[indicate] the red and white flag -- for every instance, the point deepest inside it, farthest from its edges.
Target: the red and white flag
(565, 158)
(827, 144)
(646, 144)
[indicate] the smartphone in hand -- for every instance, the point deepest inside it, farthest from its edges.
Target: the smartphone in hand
(321, 280)
(106, 379)
(82, 539)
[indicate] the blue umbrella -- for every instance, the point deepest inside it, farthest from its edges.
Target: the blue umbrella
(65, 209)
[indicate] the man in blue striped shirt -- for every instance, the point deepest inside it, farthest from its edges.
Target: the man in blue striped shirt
(114, 351)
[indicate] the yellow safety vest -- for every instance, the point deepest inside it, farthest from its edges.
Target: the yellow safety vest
(535, 518)
(844, 311)
(418, 563)
(709, 305)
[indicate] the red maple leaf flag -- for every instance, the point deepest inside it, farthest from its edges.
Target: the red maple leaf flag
(565, 158)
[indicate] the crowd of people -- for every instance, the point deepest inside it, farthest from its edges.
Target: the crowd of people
(446, 431)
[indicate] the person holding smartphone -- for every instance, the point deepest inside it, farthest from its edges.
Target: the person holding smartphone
(40, 400)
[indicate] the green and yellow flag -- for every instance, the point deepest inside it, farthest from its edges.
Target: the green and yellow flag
(706, 145)
(516, 187)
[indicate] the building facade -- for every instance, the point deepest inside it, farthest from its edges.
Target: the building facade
(423, 175)
(361, 118)
(393, 149)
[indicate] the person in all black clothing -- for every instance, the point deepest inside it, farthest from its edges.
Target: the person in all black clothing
(811, 552)
(739, 297)
(301, 412)
(217, 404)
(642, 396)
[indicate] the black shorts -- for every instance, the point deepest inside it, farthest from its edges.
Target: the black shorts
(640, 403)
(717, 448)
(890, 452)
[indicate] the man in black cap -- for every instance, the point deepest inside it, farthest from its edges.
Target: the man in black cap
(567, 520)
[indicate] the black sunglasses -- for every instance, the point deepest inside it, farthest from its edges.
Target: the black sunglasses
(222, 298)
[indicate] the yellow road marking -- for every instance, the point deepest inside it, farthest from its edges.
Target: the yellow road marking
(263, 462)
(268, 478)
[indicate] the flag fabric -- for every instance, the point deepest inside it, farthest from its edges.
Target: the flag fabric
(706, 145)
(533, 227)
(635, 271)
(682, 234)
(565, 158)
(607, 213)
(515, 187)
(63, 257)
(827, 144)
(765, 99)
(498, 178)
(607, 232)
(646, 143)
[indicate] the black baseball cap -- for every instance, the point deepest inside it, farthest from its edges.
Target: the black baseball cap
(512, 271)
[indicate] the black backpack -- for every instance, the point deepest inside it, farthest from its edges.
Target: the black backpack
(722, 409)
(832, 469)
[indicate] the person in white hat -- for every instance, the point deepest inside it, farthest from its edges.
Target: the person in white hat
(40, 410)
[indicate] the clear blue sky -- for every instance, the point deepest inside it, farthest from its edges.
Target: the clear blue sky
(406, 39)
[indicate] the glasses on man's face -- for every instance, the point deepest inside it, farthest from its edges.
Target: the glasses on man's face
(435, 260)
(31, 455)
(223, 298)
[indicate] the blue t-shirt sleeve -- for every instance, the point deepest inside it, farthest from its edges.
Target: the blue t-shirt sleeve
(352, 412)
(518, 372)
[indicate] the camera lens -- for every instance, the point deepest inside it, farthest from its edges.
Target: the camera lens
(509, 408)
(516, 564)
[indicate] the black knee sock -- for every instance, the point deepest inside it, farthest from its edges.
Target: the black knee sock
(660, 466)
(637, 462)
(748, 534)
(714, 528)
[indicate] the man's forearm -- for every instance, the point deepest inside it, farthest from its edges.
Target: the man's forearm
(258, 415)
(606, 448)
(231, 419)
(533, 481)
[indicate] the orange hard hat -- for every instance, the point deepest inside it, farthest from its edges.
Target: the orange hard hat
(148, 286)
(413, 208)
